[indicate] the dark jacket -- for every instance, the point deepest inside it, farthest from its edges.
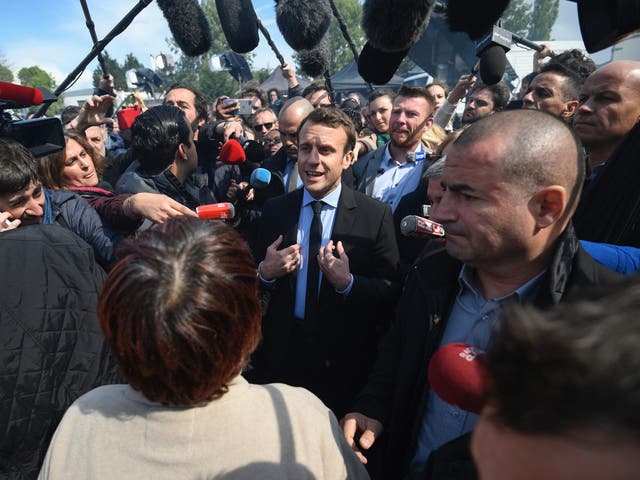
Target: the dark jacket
(53, 350)
(192, 193)
(109, 207)
(73, 212)
(397, 389)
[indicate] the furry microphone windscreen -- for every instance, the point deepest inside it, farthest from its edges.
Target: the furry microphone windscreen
(473, 17)
(493, 63)
(239, 24)
(378, 67)
(394, 26)
(188, 25)
(303, 23)
(316, 61)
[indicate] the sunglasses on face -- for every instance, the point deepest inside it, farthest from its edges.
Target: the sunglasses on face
(258, 127)
(272, 141)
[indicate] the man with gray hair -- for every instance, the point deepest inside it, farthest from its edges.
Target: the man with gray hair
(506, 209)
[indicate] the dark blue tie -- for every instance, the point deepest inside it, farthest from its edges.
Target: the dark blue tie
(313, 268)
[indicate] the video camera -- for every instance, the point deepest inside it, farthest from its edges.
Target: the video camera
(42, 136)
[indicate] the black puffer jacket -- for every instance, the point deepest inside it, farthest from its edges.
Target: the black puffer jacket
(52, 350)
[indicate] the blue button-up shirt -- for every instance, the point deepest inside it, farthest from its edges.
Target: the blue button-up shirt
(328, 217)
(471, 321)
(395, 179)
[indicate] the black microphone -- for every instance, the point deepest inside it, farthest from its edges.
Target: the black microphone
(239, 24)
(378, 67)
(316, 61)
(474, 17)
(415, 226)
(393, 28)
(303, 23)
(493, 63)
(188, 25)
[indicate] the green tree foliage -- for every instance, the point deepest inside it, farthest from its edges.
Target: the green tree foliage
(341, 54)
(36, 77)
(531, 19)
(517, 16)
(196, 71)
(544, 15)
(6, 75)
(131, 61)
(114, 68)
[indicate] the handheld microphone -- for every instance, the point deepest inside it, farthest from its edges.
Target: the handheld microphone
(188, 25)
(458, 377)
(19, 95)
(232, 153)
(303, 23)
(216, 211)
(239, 24)
(493, 63)
(260, 178)
(415, 226)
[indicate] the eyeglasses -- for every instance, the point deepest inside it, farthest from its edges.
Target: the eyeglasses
(258, 126)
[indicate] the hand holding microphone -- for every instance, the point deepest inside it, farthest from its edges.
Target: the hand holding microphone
(420, 227)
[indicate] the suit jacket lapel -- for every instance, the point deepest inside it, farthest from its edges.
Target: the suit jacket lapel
(372, 169)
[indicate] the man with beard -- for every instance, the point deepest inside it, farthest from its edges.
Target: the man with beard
(394, 170)
(485, 100)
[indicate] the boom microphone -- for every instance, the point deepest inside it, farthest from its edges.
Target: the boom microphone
(474, 17)
(458, 377)
(378, 67)
(19, 95)
(239, 24)
(415, 226)
(394, 26)
(188, 25)
(303, 23)
(315, 62)
(216, 211)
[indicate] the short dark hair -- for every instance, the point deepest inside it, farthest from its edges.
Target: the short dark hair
(156, 135)
(499, 93)
(18, 167)
(411, 91)
(574, 67)
(251, 91)
(576, 366)
(333, 117)
(380, 92)
(69, 113)
(316, 87)
(51, 166)
(200, 103)
(180, 310)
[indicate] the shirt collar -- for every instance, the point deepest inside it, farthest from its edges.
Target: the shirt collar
(523, 293)
(330, 199)
(390, 162)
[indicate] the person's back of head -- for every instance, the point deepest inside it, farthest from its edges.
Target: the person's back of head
(156, 135)
(564, 392)
(180, 310)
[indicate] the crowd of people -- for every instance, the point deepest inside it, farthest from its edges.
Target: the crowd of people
(295, 340)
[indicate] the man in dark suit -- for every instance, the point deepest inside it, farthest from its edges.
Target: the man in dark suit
(328, 257)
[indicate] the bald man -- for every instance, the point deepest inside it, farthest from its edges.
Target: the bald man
(506, 209)
(607, 123)
(293, 112)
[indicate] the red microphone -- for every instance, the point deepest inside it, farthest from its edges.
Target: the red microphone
(232, 153)
(20, 95)
(216, 211)
(458, 377)
(415, 226)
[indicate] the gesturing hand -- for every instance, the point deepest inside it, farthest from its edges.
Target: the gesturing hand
(335, 268)
(278, 263)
